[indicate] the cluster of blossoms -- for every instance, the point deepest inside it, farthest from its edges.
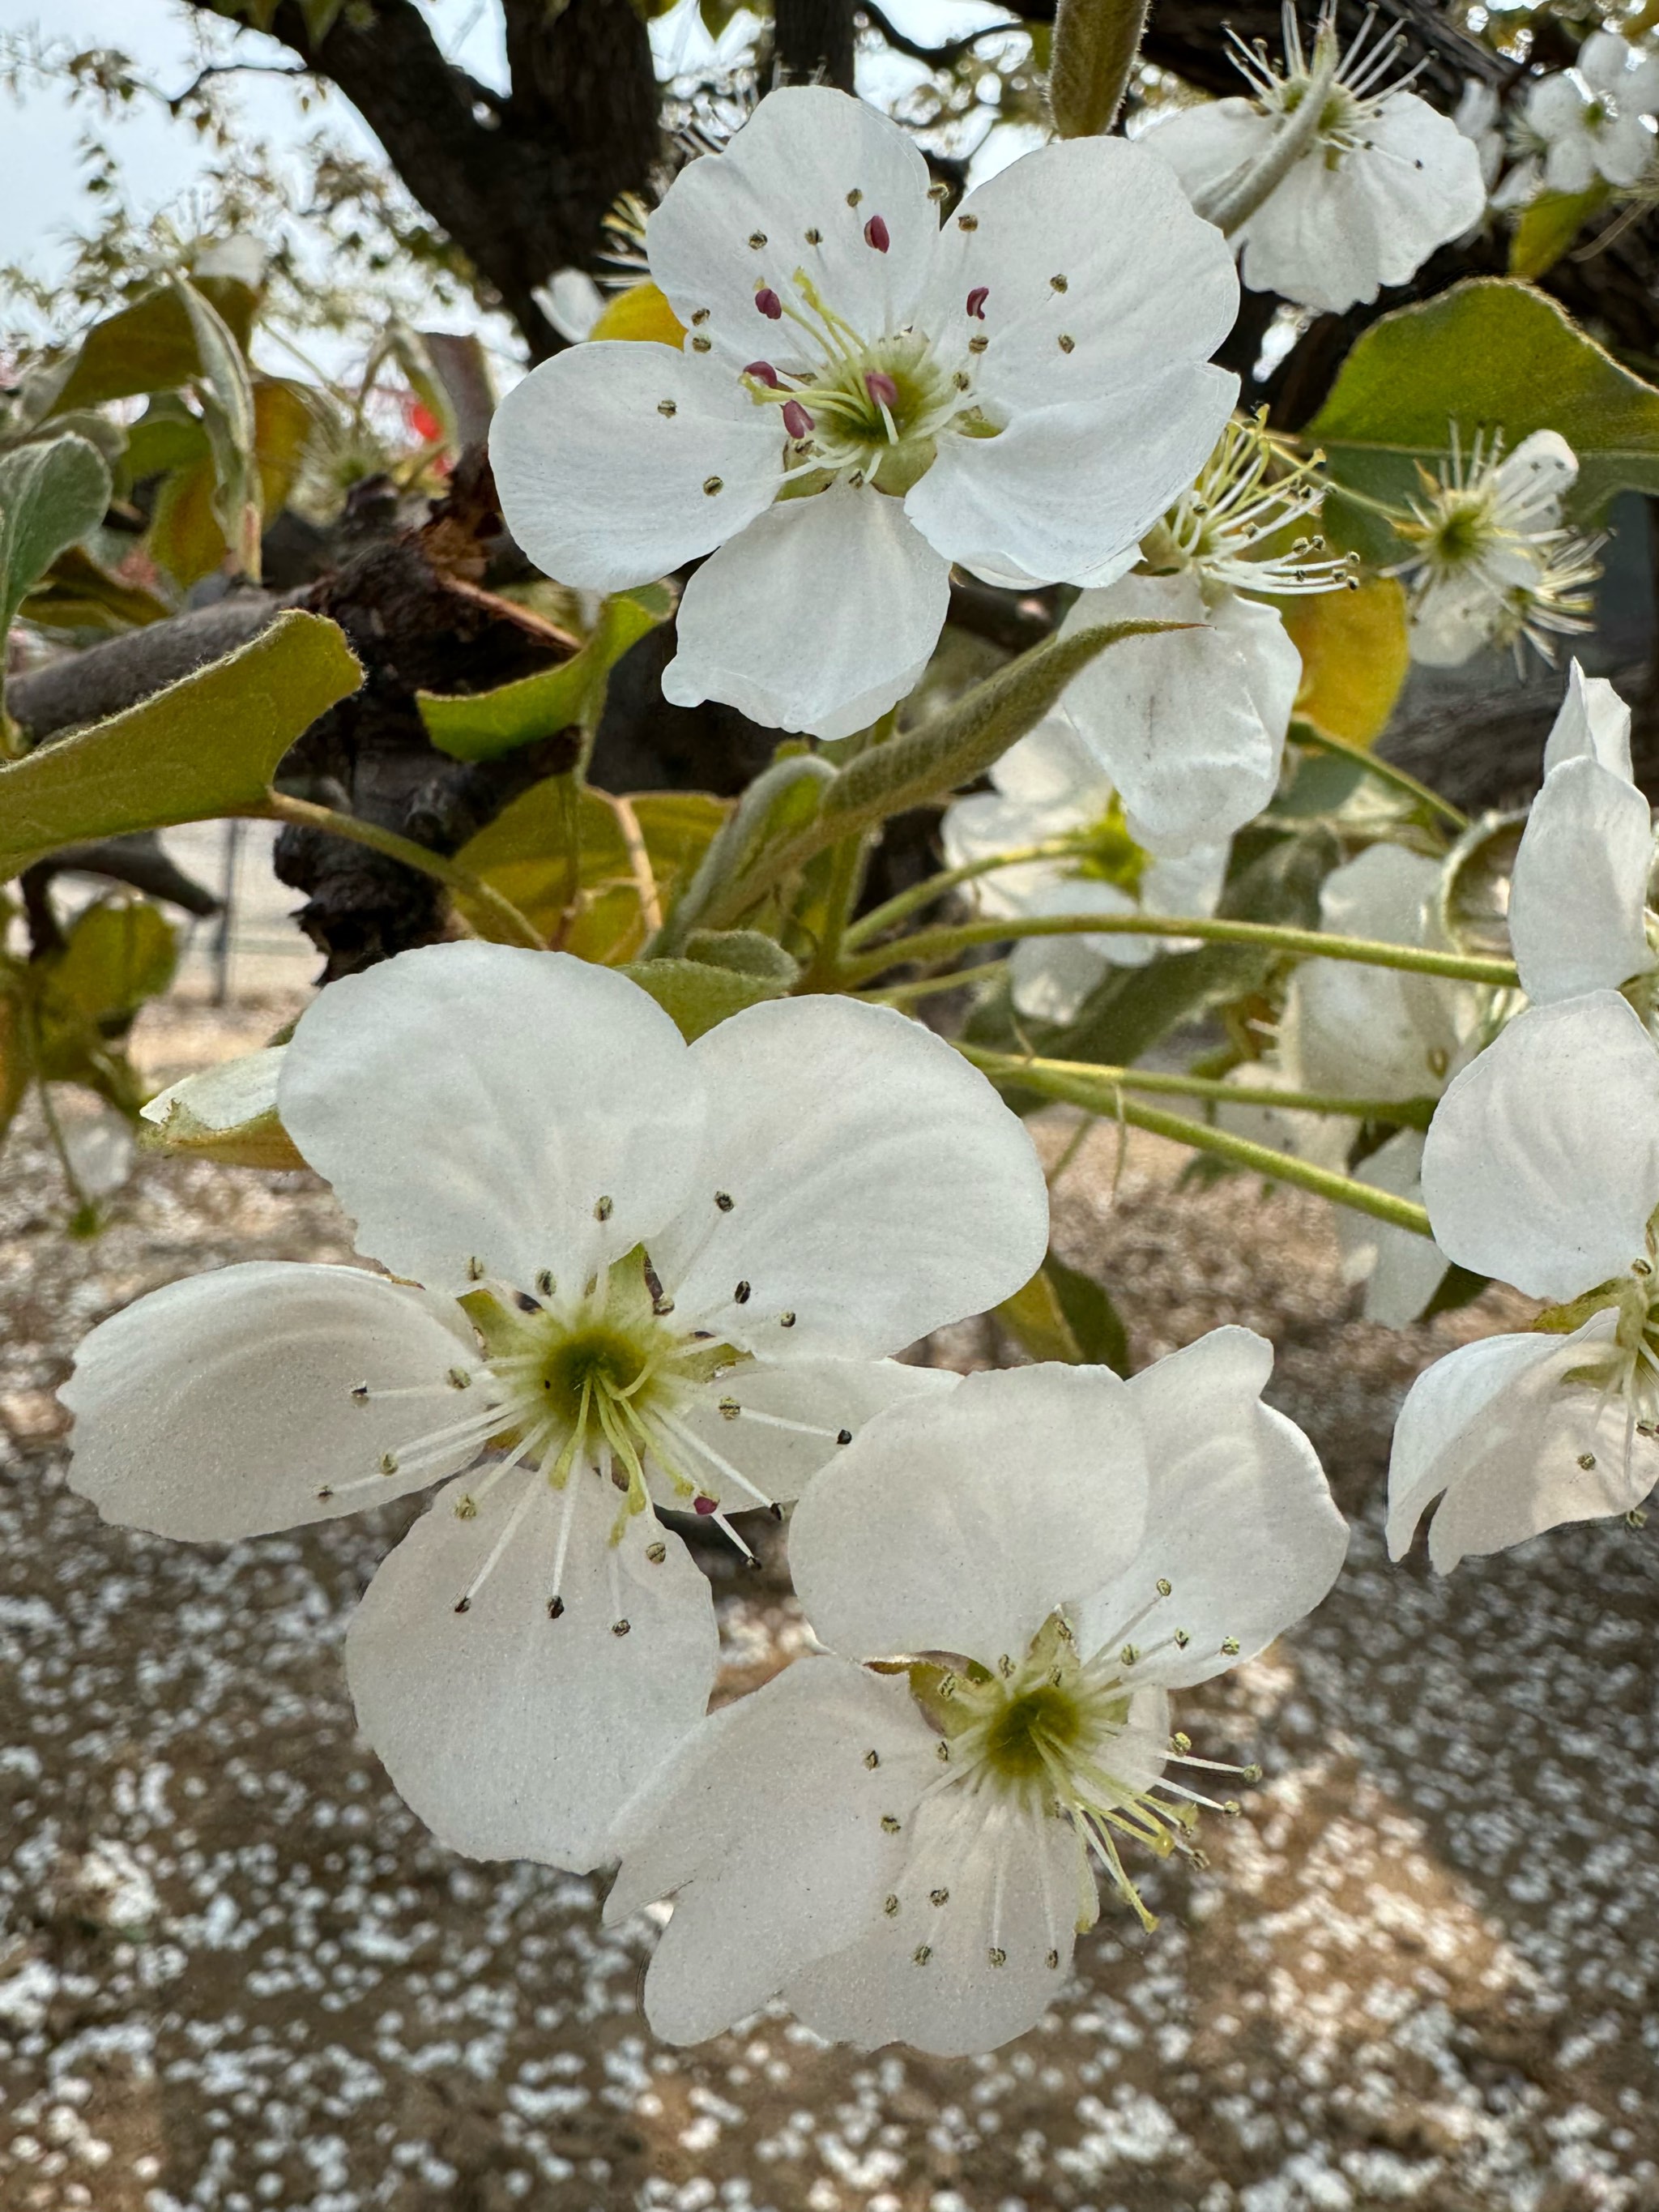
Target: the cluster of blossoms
(1591, 125)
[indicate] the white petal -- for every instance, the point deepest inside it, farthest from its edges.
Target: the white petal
(1238, 1517)
(101, 1145)
(1570, 165)
(1063, 489)
(1052, 771)
(1211, 141)
(1555, 106)
(513, 1735)
(1594, 722)
(808, 159)
(1603, 61)
(1401, 1270)
(924, 1975)
(959, 1524)
(976, 828)
(473, 1102)
(1089, 239)
(1363, 1032)
(1578, 895)
(603, 456)
(1542, 1160)
(833, 1397)
(1189, 724)
(767, 1824)
(1498, 1427)
(1426, 177)
(1534, 480)
(1623, 149)
(219, 1407)
(1052, 976)
(821, 617)
(880, 1187)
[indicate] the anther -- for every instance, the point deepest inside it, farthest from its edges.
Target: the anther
(796, 419)
(764, 373)
(703, 1505)
(359, 1394)
(977, 344)
(459, 1379)
(700, 345)
(997, 1958)
(713, 484)
(976, 300)
(1181, 1740)
(724, 1200)
(656, 1553)
(1232, 1808)
(388, 1463)
(766, 300)
(757, 239)
(324, 1495)
(667, 407)
(922, 1953)
(854, 197)
(1004, 1666)
(967, 222)
(938, 1897)
(1231, 1646)
(775, 1510)
(1129, 1656)
(843, 1436)
(556, 1608)
(876, 233)
(814, 237)
(730, 1408)
(603, 1209)
(1587, 1460)
(787, 1320)
(1182, 1638)
(463, 1605)
(943, 1754)
(475, 1270)
(1636, 1518)
(1640, 1267)
(621, 1627)
(890, 1906)
(881, 387)
(890, 1825)
(546, 1284)
(1052, 1961)
(700, 315)
(466, 1509)
(873, 1758)
(1057, 284)
(741, 1295)
(1165, 1588)
(961, 379)
(1067, 344)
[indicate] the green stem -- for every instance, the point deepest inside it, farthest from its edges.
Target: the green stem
(1384, 771)
(929, 986)
(1408, 1113)
(512, 926)
(930, 946)
(1083, 1086)
(1390, 514)
(923, 894)
(846, 867)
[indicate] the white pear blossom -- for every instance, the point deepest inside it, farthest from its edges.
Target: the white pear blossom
(1032, 1566)
(864, 398)
(1383, 181)
(1542, 1168)
(1493, 564)
(1590, 118)
(1049, 786)
(1478, 119)
(652, 1274)
(1578, 897)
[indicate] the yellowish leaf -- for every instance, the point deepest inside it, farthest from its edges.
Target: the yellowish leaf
(1353, 656)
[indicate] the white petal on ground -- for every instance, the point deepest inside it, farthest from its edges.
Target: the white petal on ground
(820, 617)
(1091, 240)
(1578, 895)
(1542, 1161)
(1191, 724)
(958, 1525)
(880, 1187)
(605, 458)
(1011, 1884)
(1239, 1520)
(219, 1407)
(791, 170)
(477, 1102)
(1594, 723)
(831, 1396)
(1063, 491)
(766, 1825)
(1514, 1445)
(513, 1735)
(1401, 1270)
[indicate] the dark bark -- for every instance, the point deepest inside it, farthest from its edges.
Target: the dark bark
(812, 42)
(85, 687)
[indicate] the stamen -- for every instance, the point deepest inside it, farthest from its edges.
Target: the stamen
(531, 1491)
(766, 300)
(764, 373)
(875, 234)
(796, 419)
(976, 300)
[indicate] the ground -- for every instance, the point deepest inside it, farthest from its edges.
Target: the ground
(1420, 1970)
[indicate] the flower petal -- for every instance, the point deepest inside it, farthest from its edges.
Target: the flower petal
(475, 1103)
(219, 1407)
(1211, 141)
(1401, 1270)
(1063, 491)
(1191, 724)
(766, 1824)
(1516, 1446)
(805, 175)
(1578, 895)
(1239, 1520)
(830, 1397)
(513, 1735)
(958, 1525)
(1090, 239)
(603, 458)
(1594, 722)
(1542, 1161)
(924, 1974)
(1052, 976)
(879, 1187)
(820, 616)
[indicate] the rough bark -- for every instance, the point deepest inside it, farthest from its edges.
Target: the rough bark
(812, 42)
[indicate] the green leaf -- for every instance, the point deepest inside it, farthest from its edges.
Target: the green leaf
(1354, 656)
(226, 1114)
(50, 497)
(1488, 355)
(698, 996)
(481, 725)
(208, 745)
(225, 393)
(76, 594)
(1094, 45)
(151, 345)
(747, 953)
(1548, 227)
(1063, 1315)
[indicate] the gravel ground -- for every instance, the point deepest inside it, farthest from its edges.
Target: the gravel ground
(234, 1973)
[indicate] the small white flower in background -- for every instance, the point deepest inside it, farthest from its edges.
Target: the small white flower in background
(864, 398)
(1050, 786)
(1190, 725)
(654, 1275)
(1384, 179)
(1492, 564)
(1034, 1565)
(1578, 896)
(99, 1145)
(1590, 119)
(1542, 1169)
(1478, 117)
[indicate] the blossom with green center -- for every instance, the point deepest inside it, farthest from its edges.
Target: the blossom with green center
(1011, 1580)
(654, 1275)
